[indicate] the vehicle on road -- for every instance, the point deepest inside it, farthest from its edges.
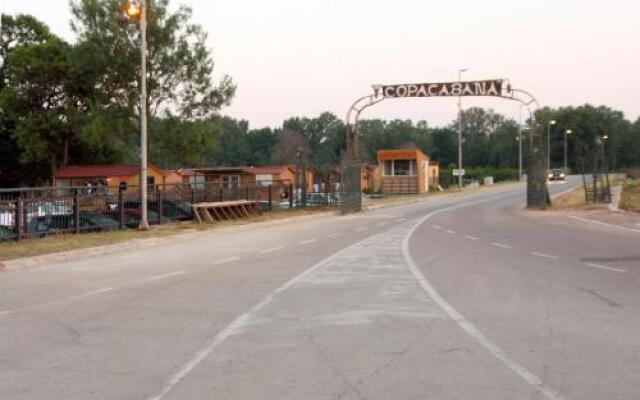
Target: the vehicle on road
(557, 175)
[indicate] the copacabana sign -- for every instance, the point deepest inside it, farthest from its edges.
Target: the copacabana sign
(471, 88)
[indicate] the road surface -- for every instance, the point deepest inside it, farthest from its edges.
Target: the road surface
(463, 297)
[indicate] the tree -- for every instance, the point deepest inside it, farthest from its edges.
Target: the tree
(232, 147)
(16, 32)
(291, 148)
(180, 65)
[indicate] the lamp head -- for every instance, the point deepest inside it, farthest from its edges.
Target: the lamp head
(133, 8)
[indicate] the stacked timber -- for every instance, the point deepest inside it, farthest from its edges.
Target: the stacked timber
(225, 210)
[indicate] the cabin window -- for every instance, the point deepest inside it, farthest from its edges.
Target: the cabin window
(230, 181)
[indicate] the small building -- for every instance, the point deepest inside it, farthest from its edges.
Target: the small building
(370, 180)
(105, 175)
(406, 171)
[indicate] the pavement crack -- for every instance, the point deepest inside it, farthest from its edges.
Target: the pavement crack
(604, 299)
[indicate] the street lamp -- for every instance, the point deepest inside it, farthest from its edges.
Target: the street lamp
(566, 132)
(460, 71)
(552, 122)
(520, 145)
(137, 10)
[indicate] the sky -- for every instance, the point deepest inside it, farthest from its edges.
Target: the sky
(300, 58)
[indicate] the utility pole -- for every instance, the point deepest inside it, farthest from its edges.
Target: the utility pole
(552, 122)
(460, 71)
(566, 132)
(144, 222)
(520, 146)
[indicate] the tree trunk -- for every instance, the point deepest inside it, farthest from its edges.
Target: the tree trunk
(65, 151)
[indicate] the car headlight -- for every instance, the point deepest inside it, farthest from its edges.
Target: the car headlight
(561, 175)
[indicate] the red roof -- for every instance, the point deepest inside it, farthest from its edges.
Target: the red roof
(267, 169)
(96, 171)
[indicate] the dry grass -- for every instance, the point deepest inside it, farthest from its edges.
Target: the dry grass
(61, 243)
(630, 199)
(573, 200)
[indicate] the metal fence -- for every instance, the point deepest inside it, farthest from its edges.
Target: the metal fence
(39, 212)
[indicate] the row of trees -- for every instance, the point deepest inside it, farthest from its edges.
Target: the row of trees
(63, 103)
(78, 102)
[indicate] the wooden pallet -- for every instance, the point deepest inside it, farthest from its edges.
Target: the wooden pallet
(225, 210)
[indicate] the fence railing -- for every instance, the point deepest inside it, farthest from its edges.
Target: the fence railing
(39, 212)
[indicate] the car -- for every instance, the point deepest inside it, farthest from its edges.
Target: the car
(172, 209)
(52, 224)
(557, 175)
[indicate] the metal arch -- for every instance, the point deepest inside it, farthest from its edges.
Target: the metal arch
(351, 121)
(536, 185)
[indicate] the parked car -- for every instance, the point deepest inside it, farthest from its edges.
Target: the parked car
(557, 175)
(173, 209)
(132, 218)
(6, 233)
(51, 224)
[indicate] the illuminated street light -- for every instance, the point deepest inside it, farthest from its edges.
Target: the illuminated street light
(552, 122)
(566, 132)
(137, 10)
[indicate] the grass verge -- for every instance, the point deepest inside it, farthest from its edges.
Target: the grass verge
(630, 200)
(573, 200)
(67, 242)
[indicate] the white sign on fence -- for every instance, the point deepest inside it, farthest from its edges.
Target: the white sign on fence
(458, 172)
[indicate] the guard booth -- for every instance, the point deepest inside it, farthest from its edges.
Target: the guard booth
(406, 171)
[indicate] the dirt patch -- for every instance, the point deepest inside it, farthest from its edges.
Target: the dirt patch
(574, 200)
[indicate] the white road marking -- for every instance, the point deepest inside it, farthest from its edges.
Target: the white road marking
(543, 255)
(436, 227)
(226, 260)
(501, 245)
(604, 224)
(333, 235)
(598, 266)
(472, 237)
(450, 232)
(308, 241)
(230, 329)
(362, 228)
(271, 250)
(92, 293)
(166, 276)
(526, 375)
(6, 313)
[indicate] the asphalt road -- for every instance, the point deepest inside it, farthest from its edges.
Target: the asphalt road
(464, 297)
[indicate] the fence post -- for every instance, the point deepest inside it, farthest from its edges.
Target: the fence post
(290, 195)
(221, 193)
(246, 193)
(121, 207)
(270, 198)
(326, 195)
(159, 205)
(18, 218)
(76, 212)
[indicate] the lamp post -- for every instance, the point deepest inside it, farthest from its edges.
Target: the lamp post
(460, 71)
(605, 137)
(552, 122)
(520, 145)
(137, 10)
(566, 133)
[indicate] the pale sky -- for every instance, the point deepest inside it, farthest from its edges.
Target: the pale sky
(299, 58)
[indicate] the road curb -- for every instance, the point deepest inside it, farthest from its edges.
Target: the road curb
(137, 244)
